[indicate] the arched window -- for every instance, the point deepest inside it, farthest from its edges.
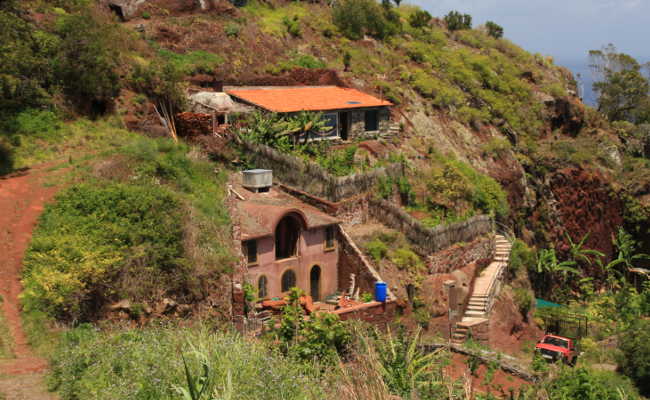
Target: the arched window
(314, 283)
(288, 280)
(286, 237)
(261, 287)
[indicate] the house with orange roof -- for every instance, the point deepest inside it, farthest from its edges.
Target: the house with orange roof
(350, 113)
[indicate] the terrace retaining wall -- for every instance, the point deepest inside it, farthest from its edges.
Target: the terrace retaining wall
(428, 240)
(312, 178)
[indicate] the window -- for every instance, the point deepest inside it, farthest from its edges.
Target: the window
(329, 237)
(286, 237)
(288, 280)
(314, 283)
(261, 287)
(372, 120)
(250, 249)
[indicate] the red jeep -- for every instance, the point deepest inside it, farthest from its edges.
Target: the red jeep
(554, 348)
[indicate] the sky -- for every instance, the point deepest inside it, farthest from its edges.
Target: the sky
(564, 29)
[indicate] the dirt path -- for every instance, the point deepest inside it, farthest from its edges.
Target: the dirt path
(22, 199)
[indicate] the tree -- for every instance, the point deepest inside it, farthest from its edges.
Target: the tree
(634, 360)
(86, 62)
(161, 82)
(419, 19)
(621, 87)
(495, 30)
(25, 57)
(456, 21)
(356, 18)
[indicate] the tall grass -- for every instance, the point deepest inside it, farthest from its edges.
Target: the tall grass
(147, 364)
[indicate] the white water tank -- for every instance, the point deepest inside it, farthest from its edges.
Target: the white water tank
(258, 180)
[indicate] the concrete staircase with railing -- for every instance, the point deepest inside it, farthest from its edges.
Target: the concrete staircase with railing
(486, 288)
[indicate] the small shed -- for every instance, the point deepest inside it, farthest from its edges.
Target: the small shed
(350, 113)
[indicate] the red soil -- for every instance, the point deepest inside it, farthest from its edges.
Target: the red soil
(500, 385)
(22, 198)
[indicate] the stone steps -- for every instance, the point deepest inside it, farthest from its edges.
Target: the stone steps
(478, 303)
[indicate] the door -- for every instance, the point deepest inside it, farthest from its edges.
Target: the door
(344, 125)
(314, 283)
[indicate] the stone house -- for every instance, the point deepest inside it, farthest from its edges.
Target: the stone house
(286, 242)
(350, 114)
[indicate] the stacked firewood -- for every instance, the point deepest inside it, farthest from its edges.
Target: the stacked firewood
(193, 124)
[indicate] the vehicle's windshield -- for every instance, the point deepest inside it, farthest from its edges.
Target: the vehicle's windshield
(556, 342)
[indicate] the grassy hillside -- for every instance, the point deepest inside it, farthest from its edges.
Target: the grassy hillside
(139, 219)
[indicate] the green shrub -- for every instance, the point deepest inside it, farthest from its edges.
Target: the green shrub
(6, 156)
(634, 360)
(495, 30)
(456, 21)
(356, 18)
(406, 259)
(377, 249)
(321, 338)
(25, 55)
(87, 60)
(292, 25)
(297, 60)
(146, 15)
(487, 195)
(88, 236)
(193, 62)
(338, 162)
(521, 256)
(419, 19)
(442, 94)
(524, 301)
(497, 147)
(585, 384)
(232, 30)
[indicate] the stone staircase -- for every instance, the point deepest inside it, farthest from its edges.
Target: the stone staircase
(486, 287)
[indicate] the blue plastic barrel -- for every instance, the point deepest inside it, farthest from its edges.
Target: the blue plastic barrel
(380, 291)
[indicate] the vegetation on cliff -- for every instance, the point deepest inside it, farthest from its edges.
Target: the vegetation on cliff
(485, 127)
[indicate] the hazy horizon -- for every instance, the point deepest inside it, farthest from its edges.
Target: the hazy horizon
(565, 30)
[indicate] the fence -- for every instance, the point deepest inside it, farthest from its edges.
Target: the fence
(428, 240)
(312, 178)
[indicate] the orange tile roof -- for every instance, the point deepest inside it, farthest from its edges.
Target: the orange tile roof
(308, 98)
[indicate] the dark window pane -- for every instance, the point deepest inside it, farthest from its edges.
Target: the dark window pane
(250, 249)
(288, 280)
(286, 238)
(372, 120)
(329, 237)
(261, 287)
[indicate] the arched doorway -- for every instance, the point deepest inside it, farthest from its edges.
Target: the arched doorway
(288, 280)
(287, 233)
(314, 283)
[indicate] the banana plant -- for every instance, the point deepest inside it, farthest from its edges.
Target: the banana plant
(579, 253)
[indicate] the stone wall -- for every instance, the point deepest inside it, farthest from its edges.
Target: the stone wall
(312, 178)
(358, 123)
(428, 240)
(353, 261)
(374, 312)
